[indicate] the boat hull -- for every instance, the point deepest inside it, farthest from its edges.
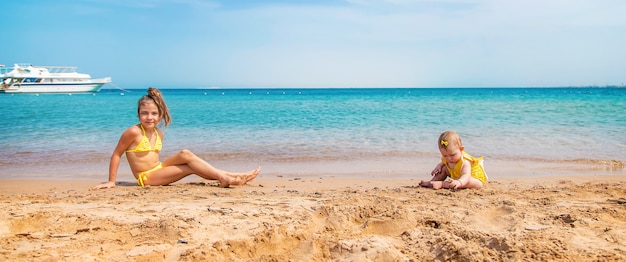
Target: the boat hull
(55, 88)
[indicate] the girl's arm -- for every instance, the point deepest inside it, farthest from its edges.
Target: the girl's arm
(124, 143)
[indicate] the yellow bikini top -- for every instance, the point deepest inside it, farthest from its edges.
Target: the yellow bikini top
(145, 146)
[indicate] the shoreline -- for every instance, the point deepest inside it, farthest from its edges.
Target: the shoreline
(394, 167)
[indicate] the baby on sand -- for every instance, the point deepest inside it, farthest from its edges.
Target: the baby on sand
(464, 170)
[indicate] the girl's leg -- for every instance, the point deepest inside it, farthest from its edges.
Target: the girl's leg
(185, 163)
(168, 175)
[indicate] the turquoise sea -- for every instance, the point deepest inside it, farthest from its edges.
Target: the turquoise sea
(69, 136)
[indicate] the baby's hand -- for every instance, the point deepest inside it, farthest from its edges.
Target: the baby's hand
(455, 184)
(437, 170)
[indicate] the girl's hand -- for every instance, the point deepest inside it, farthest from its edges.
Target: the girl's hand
(105, 185)
(455, 184)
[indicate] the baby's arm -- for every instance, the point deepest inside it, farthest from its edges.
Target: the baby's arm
(439, 169)
(466, 175)
(440, 173)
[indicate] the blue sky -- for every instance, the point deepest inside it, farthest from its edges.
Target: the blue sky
(351, 43)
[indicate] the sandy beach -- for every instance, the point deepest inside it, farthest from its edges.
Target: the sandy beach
(277, 218)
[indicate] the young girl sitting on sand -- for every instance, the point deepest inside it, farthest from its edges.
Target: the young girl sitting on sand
(143, 142)
(464, 170)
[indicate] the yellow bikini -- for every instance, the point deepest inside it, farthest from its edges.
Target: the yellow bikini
(478, 171)
(145, 146)
(143, 176)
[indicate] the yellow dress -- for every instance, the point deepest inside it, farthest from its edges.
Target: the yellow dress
(478, 171)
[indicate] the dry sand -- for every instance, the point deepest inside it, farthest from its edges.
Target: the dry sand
(581, 218)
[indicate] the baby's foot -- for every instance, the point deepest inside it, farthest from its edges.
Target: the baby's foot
(436, 184)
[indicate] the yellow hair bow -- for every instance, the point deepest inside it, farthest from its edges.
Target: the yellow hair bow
(444, 143)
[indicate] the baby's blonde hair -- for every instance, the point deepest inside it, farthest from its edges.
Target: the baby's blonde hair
(449, 138)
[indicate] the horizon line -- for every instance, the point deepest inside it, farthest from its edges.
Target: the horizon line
(442, 87)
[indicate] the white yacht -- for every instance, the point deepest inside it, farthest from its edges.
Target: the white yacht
(26, 78)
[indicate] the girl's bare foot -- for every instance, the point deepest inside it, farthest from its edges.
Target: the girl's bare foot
(242, 178)
(247, 177)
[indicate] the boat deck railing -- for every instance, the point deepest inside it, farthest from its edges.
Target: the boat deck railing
(60, 69)
(52, 69)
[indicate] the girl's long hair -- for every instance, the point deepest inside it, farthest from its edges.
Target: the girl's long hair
(154, 95)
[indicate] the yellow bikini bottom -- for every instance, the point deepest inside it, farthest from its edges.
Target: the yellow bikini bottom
(143, 176)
